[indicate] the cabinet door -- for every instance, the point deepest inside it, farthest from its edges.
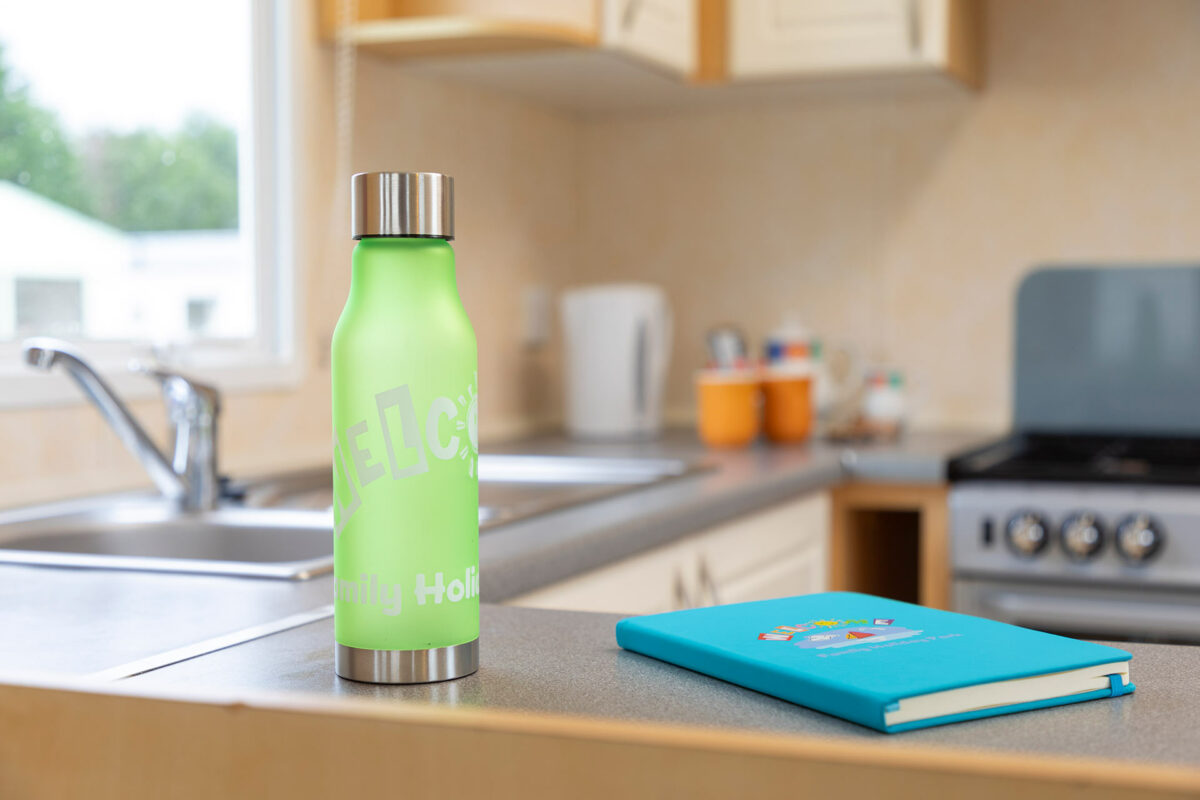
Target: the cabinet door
(645, 584)
(776, 38)
(748, 544)
(662, 32)
(799, 572)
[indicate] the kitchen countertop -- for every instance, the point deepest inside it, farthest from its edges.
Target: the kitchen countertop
(566, 662)
(197, 664)
(79, 622)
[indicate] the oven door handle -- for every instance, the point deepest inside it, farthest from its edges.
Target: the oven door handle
(1084, 615)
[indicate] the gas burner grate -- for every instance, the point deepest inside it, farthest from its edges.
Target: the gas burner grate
(1110, 459)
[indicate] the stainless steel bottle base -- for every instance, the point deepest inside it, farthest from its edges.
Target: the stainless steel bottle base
(407, 666)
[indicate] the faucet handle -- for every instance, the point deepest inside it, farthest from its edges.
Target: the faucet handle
(192, 407)
(182, 393)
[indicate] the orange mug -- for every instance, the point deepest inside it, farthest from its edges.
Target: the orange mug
(787, 406)
(727, 404)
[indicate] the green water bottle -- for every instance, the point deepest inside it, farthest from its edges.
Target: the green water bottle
(405, 442)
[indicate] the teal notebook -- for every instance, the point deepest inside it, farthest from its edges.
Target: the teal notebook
(888, 665)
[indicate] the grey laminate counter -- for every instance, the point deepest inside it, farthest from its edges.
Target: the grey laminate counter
(79, 622)
(569, 663)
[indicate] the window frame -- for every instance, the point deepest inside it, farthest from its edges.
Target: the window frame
(268, 360)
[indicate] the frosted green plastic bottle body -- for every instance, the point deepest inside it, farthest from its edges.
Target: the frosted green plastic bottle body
(405, 474)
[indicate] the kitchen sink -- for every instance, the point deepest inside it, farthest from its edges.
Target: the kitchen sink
(150, 534)
(511, 487)
(280, 527)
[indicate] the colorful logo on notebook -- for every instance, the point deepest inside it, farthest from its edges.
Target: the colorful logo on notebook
(823, 633)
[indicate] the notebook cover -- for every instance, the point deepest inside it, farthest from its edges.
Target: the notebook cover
(853, 655)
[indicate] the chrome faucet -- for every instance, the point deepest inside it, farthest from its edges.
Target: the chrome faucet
(190, 479)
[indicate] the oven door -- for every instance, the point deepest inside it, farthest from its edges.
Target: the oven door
(1125, 614)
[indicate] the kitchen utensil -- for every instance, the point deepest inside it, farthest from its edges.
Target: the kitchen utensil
(727, 347)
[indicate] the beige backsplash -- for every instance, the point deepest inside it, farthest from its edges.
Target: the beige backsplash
(902, 225)
(897, 224)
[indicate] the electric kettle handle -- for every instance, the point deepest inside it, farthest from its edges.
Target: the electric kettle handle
(660, 347)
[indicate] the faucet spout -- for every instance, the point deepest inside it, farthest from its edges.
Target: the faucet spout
(45, 354)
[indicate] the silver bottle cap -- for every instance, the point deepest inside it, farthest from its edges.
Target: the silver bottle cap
(402, 204)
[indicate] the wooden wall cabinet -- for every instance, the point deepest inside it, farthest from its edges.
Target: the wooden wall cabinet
(777, 552)
(692, 41)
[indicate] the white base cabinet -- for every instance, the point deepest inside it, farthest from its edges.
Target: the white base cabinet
(777, 552)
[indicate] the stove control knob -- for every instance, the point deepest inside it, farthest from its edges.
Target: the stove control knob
(1139, 537)
(1082, 536)
(1027, 534)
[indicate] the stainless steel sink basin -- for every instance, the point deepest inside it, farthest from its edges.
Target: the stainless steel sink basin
(151, 535)
(282, 526)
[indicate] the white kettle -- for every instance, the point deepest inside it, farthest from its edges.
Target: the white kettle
(618, 344)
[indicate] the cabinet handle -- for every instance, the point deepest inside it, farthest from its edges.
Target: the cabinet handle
(681, 593)
(708, 586)
(629, 14)
(914, 26)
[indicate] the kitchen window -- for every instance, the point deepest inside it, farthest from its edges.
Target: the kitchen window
(143, 192)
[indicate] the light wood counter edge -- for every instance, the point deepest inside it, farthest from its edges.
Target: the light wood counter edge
(76, 739)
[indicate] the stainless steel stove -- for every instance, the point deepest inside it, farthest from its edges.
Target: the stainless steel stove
(1086, 520)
